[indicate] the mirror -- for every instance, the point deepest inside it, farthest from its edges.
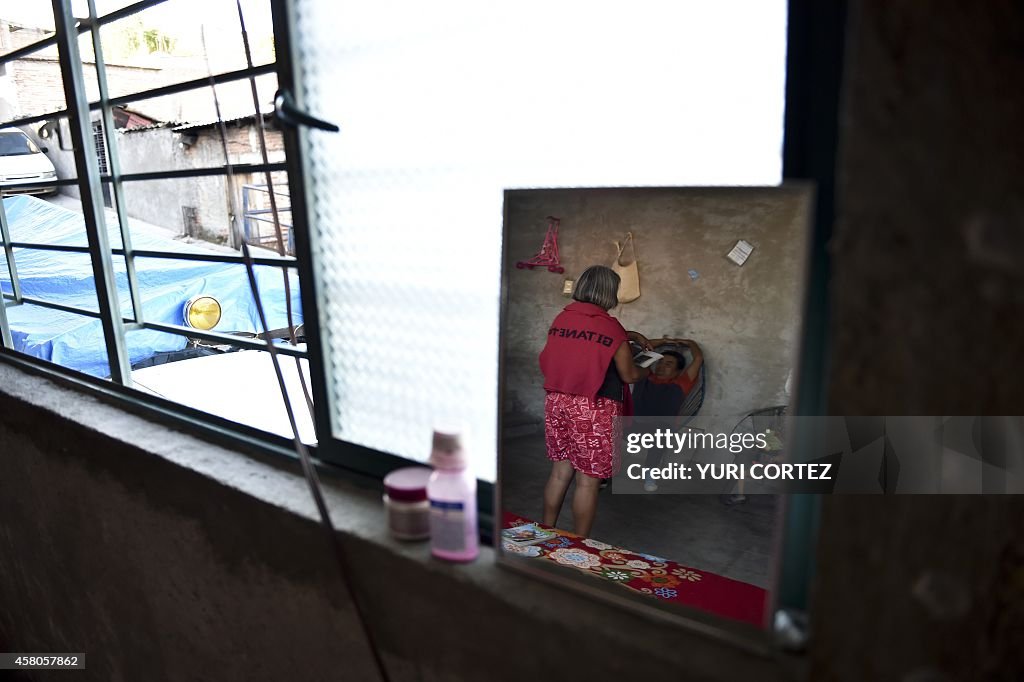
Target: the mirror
(716, 281)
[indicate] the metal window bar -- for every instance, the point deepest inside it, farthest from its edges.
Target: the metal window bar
(64, 248)
(131, 399)
(274, 261)
(76, 109)
(222, 338)
(110, 162)
(206, 424)
(252, 217)
(202, 172)
(12, 269)
(196, 84)
(252, 221)
(43, 303)
(155, 175)
(15, 299)
(263, 188)
(106, 104)
(89, 189)
(6, 339)
(310, 270)
(162, 91)
(248, 343)
(211, 424)
(80, 310)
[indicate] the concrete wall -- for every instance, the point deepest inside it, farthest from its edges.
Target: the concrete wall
(160, 202)
(745, 318)
(927, 303)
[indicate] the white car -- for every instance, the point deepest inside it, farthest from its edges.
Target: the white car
(22, 163)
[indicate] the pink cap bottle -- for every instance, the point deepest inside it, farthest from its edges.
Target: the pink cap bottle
(452, 494)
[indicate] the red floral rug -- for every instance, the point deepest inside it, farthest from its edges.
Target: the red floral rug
(660, 578)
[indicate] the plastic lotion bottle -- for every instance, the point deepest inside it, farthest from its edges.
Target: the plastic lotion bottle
(452, 494)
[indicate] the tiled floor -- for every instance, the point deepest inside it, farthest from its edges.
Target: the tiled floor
(694, 530)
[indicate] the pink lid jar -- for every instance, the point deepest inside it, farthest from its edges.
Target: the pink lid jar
(406, 504)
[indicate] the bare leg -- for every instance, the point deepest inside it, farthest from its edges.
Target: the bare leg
(554, 491)
(735, 498)
(584, 503)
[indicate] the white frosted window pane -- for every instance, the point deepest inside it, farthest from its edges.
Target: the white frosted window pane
(443, 106)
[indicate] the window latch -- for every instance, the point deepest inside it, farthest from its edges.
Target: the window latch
(287, 112)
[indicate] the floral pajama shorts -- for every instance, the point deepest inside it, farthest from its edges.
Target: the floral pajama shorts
(583, 431)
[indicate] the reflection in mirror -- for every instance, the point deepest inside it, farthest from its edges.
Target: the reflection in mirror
(709, 280)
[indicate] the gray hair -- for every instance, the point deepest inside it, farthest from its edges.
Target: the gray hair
(598, 285)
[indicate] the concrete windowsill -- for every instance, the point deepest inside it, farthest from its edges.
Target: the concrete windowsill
(358, 515)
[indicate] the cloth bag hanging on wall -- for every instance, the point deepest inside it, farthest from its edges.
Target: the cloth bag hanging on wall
(629, 286)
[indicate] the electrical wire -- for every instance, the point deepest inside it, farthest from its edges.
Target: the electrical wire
(278, 233)
(308, 469)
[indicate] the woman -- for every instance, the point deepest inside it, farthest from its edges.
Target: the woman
(586, 363)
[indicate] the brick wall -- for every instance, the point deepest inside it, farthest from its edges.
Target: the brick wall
(38, 87)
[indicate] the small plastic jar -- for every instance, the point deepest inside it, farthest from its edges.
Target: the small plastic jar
(405, 500)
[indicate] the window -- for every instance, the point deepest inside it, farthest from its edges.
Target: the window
(16, 144)
(121, 241)
(442, 108)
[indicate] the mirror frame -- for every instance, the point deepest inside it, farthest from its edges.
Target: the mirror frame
(796, 519)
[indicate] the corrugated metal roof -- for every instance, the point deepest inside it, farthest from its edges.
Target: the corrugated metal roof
(196, 125)
(138, 112)
(191, 126)
(153, 126)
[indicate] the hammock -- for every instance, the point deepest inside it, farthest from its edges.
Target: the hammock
(694, 399)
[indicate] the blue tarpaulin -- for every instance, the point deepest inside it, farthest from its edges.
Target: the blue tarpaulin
(76, 341)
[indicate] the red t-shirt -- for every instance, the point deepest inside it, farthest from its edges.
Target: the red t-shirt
(683, 380)
(581, 344)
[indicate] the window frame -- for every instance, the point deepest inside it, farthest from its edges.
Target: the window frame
(357, 459)
(332, 455)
